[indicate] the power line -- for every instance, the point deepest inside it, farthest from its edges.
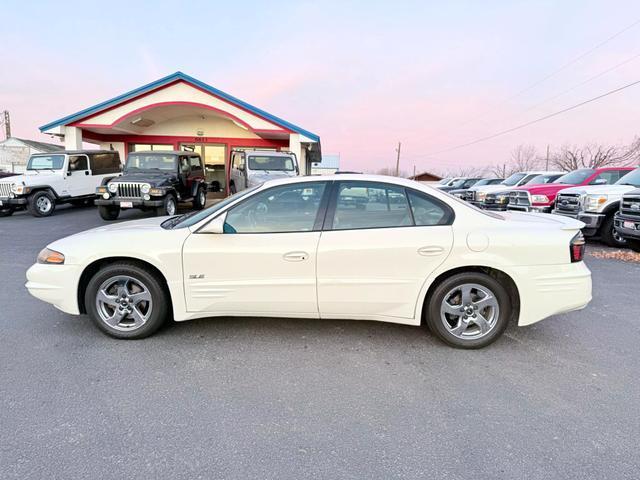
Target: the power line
(538, 120)
(556, 71)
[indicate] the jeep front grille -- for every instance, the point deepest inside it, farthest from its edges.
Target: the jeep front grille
(568, 202)
(129, 189)
(519, 199)
(5, 189)
(630, 206)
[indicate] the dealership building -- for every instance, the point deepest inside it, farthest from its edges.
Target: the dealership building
(179, 112)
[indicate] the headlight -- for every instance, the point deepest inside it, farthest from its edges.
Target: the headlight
(48, 256)
(101, 190)
(145, 187)
(539, 199)
(480, 196)
(504, 198)
(113, 187)
(19, 189)
(156, 191)
(594, 202)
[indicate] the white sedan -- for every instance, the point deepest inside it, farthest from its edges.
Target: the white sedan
(358, 247)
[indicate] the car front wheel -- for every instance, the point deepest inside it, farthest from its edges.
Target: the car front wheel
(7, 212)
(41, 204)
(469, 310)
(200, 200)
(126, 301)
(109, 212)
(610, 236)
(169, 207)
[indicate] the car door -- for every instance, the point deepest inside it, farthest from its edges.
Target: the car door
(79, 180)
(379, 244)
(265, 261)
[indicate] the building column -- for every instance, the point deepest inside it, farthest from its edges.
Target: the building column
(72, 138)
(296, 147)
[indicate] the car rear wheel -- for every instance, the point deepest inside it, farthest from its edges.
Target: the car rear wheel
(200, 200)
(126, 301)
(610, 236)
(469, 310)
(169, 207)
(109, 212)
(41, 204)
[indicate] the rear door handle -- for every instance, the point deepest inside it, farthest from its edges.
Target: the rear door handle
(430, 251)
(295, 256)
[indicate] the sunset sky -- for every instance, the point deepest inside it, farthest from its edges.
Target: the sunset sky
(362, 75)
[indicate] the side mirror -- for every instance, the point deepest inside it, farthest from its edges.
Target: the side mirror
(241, 167)
(69, 173)
(215, 226)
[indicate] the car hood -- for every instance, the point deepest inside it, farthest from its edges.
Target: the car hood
(600, 189)
(155, 179)
(544, 188)
(30, 177)
(266, 175)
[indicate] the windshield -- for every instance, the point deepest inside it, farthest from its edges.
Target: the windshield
(46, 162)
(151, 161)
(264, 162)
(576, 177)
(631, 178)
(514, 179)
(541, 179)
(192, 218)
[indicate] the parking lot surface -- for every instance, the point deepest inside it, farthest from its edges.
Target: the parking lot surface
(273, 398)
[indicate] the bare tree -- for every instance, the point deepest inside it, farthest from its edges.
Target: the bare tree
(596, 155)
(524, 158)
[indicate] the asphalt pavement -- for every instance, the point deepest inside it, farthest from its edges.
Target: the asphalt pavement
(291, 399)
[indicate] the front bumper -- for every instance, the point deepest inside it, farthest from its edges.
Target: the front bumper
(547, 290)
(534, 208)
(495, 207)
(627, 232)
(55, 284)
(12, 202)
(135, 202)
(592, 221)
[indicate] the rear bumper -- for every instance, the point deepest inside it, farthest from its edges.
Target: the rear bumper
(551, 289)
(135, 202)
(626, 232)
(55, 284)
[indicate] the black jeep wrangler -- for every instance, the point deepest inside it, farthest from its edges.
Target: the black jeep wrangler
(154, 181)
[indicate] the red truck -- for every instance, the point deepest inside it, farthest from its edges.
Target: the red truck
(540, 198)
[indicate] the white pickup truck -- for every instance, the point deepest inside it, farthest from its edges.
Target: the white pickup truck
(54, 178)
(253, 167)
(596, 206)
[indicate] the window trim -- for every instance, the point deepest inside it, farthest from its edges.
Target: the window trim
(320, 215)
(333, 203)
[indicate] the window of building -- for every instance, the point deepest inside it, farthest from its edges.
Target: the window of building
(145, 147)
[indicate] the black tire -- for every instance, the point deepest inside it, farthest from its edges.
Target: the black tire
(499, 322)
(167, 208)
(125, 329)
(200, 200)
(633, 244)
(609, 234)
(7, 212)
(41, 204)
(109, 212)
(232, 189)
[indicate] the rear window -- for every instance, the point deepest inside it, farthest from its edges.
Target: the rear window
(104, 163)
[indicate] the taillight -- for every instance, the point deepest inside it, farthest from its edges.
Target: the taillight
(576, 248)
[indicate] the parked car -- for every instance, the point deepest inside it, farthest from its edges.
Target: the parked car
(54, 178)
(541, 197)
(476, 195)
(461, 192)
(463, 183)
(155, 181)
(596, 206)
(293, 248)
(253, 167)
(499, 200)
(627, 219)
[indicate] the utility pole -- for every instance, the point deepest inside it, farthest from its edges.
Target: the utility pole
(547, 169)
(398, 160)
(6, 121)
(414, 171)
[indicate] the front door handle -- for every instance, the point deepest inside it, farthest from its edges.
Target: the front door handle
(295, 256)
(430, 251)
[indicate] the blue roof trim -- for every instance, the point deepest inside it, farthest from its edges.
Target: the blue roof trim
(169, 79)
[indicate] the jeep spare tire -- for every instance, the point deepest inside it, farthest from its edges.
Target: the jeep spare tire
(169, 206)
(41, 204)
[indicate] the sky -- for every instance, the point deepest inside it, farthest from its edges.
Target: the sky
(364, 75)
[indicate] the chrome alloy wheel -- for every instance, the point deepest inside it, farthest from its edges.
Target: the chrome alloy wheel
(618, 238)
(203, 197)
(171, 207)
(43, 204)
(469, 311)
(124, 303)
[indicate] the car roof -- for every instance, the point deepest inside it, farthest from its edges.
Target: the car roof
(165, 152)
(74, 152)
(347, 177)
